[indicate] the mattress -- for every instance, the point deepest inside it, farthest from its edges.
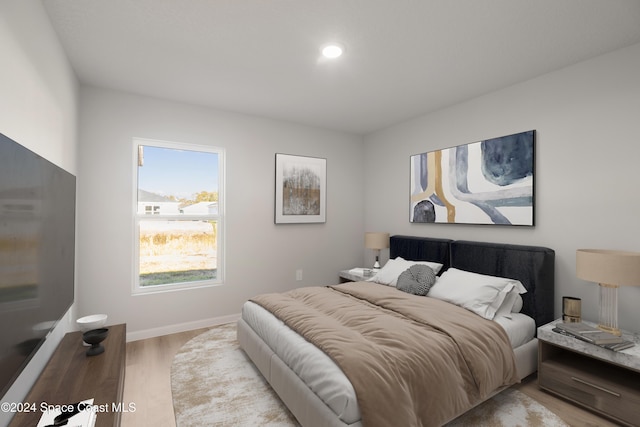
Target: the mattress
(322, 375)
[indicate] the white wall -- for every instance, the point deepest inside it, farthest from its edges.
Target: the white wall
(587, 119)
(38, 95)
(260, 256)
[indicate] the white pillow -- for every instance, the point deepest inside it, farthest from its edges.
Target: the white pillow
(480, 293)
(517, 305)
(435, 266)
(511, 304)
(388, 275)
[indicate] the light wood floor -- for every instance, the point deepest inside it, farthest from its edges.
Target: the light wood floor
(148, 386)
(147, 381)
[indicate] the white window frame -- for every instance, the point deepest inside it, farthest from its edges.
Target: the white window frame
(137, 217)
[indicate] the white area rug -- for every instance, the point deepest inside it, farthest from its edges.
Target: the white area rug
(215, 384)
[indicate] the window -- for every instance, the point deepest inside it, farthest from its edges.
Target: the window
(179, 220)
(150, 209)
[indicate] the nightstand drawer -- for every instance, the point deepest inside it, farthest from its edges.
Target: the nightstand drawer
(596, 385)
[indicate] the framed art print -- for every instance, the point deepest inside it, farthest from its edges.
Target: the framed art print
(301, 187)
(485, 182)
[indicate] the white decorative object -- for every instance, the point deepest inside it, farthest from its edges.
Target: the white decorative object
(89, 323)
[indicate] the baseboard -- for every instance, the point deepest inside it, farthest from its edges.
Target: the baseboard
(181, 327)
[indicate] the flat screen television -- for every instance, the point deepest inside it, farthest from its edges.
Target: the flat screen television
(37, 253)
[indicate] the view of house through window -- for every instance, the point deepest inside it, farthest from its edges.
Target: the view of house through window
(178, 218)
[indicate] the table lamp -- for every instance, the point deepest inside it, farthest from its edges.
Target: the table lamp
(609, 269)
(376, 241)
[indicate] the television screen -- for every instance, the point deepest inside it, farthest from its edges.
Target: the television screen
(37, 251)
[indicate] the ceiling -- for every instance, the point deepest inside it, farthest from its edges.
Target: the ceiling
(403, 58)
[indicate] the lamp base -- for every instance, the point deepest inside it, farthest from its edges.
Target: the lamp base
(376, 266)
(609, 309)
(614, 331)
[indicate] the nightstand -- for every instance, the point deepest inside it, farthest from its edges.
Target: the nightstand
(356, 275)
(604, 381)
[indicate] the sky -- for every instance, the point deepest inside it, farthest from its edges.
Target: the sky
(180, 173)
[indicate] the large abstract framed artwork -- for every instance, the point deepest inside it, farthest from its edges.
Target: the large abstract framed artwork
(485, 182)
(301, 189)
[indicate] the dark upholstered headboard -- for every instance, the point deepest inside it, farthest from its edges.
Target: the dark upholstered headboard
(421, 249)
(534, 266)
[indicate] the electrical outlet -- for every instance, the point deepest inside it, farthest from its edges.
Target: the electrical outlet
(299, 274)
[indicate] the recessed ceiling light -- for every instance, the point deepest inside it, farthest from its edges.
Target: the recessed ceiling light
(332, 50)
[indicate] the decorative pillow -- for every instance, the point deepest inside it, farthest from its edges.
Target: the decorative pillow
(388, 275)
(416, 280)
(480, 293)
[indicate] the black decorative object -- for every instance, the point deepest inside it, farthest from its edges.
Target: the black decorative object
(95, 337)
(68, 412)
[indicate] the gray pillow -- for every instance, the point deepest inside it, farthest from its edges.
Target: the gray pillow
(416, 280)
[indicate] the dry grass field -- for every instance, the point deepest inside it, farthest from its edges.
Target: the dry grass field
(177, 251)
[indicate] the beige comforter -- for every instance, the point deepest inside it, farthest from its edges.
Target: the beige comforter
(412, 360)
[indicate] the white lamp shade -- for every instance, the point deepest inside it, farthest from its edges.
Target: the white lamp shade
(376, 240)
(608, 267)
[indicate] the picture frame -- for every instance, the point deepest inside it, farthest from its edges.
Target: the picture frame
(489, 182)
(300, 189)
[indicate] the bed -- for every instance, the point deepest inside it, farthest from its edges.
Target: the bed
(318, 392)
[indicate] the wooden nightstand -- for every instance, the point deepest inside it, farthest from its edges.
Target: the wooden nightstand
(598, 379)
(356, 275)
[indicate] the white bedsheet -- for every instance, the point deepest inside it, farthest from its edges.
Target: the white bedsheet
(322, 375)
(519, 327)
(311, 364)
